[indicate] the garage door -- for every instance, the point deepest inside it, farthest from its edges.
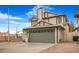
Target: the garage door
(42, 37)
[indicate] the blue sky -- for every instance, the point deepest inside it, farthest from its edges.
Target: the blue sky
(19, 15)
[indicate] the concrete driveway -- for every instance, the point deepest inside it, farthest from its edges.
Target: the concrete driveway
(65, 47)
(20, 47)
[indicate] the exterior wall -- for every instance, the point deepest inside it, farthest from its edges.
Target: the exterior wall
(60, 35)
(41, 24)
(52, 20)
(51, 14)
(46, 20)
(25, 35)
(61, 20)
(68, 36)
(46, 24)
(33, 23)
(37, 25)
(76, 33)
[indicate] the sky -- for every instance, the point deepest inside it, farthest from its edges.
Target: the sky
(20, 15)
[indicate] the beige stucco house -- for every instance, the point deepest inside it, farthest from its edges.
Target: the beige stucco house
(46, 27)
(49, 27)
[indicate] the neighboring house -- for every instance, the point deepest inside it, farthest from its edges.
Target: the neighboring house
(76, 30)
(46, 27)
(71, 33)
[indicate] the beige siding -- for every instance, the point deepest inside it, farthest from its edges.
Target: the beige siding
(68, 35)
(46, 20)
(45, 14)
(33, 23)
(25, 36)
(41, 24)
(37, 25)
(60, 35)
(51, 14)
(46, 24)
(52, 20)
(76, 33)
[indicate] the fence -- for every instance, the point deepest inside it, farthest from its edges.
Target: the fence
(11, 39)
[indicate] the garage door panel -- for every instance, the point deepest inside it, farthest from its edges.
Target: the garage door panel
(47, 37)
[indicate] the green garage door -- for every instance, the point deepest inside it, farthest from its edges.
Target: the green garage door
(42, 37)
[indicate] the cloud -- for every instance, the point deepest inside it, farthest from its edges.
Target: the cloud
(33, 12)
(13, 19)
(25, 24)
(13, 23)
(5, 17)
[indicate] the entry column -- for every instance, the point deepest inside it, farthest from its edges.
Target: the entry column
(56, 35)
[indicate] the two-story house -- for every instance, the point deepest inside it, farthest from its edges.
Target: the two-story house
(46, 27)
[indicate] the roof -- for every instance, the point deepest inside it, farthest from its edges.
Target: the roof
(76, 28)
(51, 13)
(76, 16)
(53, 26)
(53, 16)
(34, 17)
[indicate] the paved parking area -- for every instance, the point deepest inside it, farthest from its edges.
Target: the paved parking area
(68, 47)
(21, 47)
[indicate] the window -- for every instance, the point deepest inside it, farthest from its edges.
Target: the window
(51, 30)
(59, 20)
(48, 30)
(45, 30)
(38, 31)
(41, 30)
(46, 14)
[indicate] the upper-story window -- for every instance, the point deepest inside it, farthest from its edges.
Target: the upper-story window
(45, 14)
(59, 19)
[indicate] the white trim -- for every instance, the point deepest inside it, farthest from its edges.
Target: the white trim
(55, 35)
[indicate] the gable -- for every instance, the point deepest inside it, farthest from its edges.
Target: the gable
(42, 23)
